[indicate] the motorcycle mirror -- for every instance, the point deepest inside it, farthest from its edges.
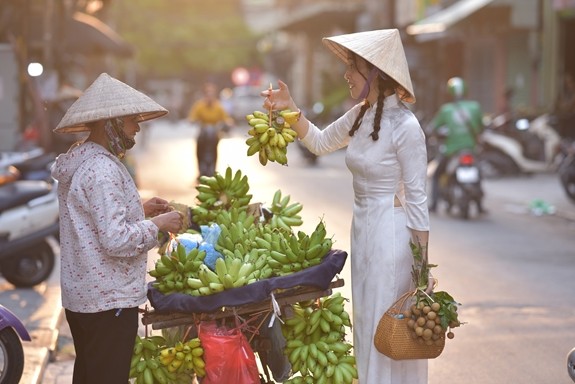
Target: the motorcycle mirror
(522, 124)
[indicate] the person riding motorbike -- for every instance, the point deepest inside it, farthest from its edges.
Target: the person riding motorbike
(209, 113)
(460, 123)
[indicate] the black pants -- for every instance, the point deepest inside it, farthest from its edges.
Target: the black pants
(104, 345)
(207, 150)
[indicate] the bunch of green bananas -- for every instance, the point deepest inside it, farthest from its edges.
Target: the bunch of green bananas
(285, 216)
(220, 192)
(184, 358)
(145, 367)
(316, 344)
(270, 135)
(172, 271)
(238, 229)
(232, 274)
(289, 253)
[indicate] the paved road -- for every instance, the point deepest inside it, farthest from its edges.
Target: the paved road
(516, 195)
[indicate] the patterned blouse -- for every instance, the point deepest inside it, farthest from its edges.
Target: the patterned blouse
(104, 237)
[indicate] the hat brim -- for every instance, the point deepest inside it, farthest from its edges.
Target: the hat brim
(108, 98)
(83, 127)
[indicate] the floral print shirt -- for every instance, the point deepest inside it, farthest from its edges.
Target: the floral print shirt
(104, 237)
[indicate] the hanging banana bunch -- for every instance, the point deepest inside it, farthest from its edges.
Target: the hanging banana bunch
(270, 134)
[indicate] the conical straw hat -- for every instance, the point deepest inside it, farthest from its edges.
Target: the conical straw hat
(107, 98)
(383, 49)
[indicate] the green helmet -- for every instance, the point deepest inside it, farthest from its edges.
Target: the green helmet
(456, 87)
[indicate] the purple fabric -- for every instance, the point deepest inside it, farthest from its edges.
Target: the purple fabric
(319, 276)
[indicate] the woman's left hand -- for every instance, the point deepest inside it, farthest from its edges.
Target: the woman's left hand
(431, 283)
(155, 206)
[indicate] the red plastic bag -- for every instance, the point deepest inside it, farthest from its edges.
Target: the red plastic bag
(228, 356)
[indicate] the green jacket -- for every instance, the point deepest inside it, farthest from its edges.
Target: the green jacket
(459, 118)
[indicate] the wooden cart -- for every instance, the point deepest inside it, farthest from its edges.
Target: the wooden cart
(257, 313)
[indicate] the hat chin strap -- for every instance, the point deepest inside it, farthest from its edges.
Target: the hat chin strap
(366, 87)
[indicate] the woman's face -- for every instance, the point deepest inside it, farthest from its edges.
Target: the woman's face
(355, 75)
(131, 126)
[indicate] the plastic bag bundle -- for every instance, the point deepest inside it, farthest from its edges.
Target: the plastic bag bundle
(228, 355)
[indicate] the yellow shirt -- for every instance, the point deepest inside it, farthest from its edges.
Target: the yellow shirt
(203, 113)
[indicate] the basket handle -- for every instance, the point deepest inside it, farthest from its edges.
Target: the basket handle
(399, 303)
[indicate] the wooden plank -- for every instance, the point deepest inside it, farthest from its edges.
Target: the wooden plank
(283, 298)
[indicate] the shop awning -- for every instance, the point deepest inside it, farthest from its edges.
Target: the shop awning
(309, 16)
(89, 35)
(435, 25)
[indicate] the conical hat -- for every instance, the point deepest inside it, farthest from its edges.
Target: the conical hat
(383, 49)
(107, 98)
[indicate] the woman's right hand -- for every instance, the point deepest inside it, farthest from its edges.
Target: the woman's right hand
(169, 222)
(278, 99)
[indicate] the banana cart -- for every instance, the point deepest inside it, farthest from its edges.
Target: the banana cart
(256, 305)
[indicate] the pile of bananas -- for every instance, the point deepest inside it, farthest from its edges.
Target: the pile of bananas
(172, 271)
(220, 192)
(316, 346)
(285, 216)
(254, 246)
(145, 366)
(270, 134)
(184, 358)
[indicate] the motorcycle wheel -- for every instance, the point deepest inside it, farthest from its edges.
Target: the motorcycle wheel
(567, 178)
(30, 267)
(11, 357)
(458, 195)
(569, 187)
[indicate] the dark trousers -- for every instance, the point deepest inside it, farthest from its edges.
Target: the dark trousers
(207, 150)
(104, 345)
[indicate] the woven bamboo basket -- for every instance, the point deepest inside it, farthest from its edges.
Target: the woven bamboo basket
(394, 339)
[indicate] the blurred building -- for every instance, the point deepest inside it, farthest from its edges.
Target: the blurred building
(69, 42)
(509, 51)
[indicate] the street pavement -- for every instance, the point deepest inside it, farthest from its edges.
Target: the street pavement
(50, 357)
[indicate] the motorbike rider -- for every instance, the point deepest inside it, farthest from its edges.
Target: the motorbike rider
(460, 123)
(211, 116)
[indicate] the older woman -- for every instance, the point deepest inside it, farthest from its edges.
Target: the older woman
(104, 233)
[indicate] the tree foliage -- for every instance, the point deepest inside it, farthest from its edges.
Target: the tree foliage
(180, 37)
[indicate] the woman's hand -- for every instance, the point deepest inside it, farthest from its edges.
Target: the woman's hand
(169, 222)
(278, 99)
(431, 283)
(155, 206)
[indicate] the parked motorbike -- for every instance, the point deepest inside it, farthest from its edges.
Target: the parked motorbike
(12, 333)
(518, 146)
(28, 218)
(460, 184)
(34, 164)
(566, 168)
(207, 148)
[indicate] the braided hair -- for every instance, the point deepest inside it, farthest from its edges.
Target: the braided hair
(384, 83)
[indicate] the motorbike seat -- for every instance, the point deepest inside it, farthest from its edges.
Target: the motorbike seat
(22, 191)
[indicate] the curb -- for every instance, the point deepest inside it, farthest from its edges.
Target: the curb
(44, 327)
(41, 350)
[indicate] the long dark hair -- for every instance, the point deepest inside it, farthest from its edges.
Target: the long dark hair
(384, 83)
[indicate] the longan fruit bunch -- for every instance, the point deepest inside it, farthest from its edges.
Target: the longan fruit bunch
(425, 323)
